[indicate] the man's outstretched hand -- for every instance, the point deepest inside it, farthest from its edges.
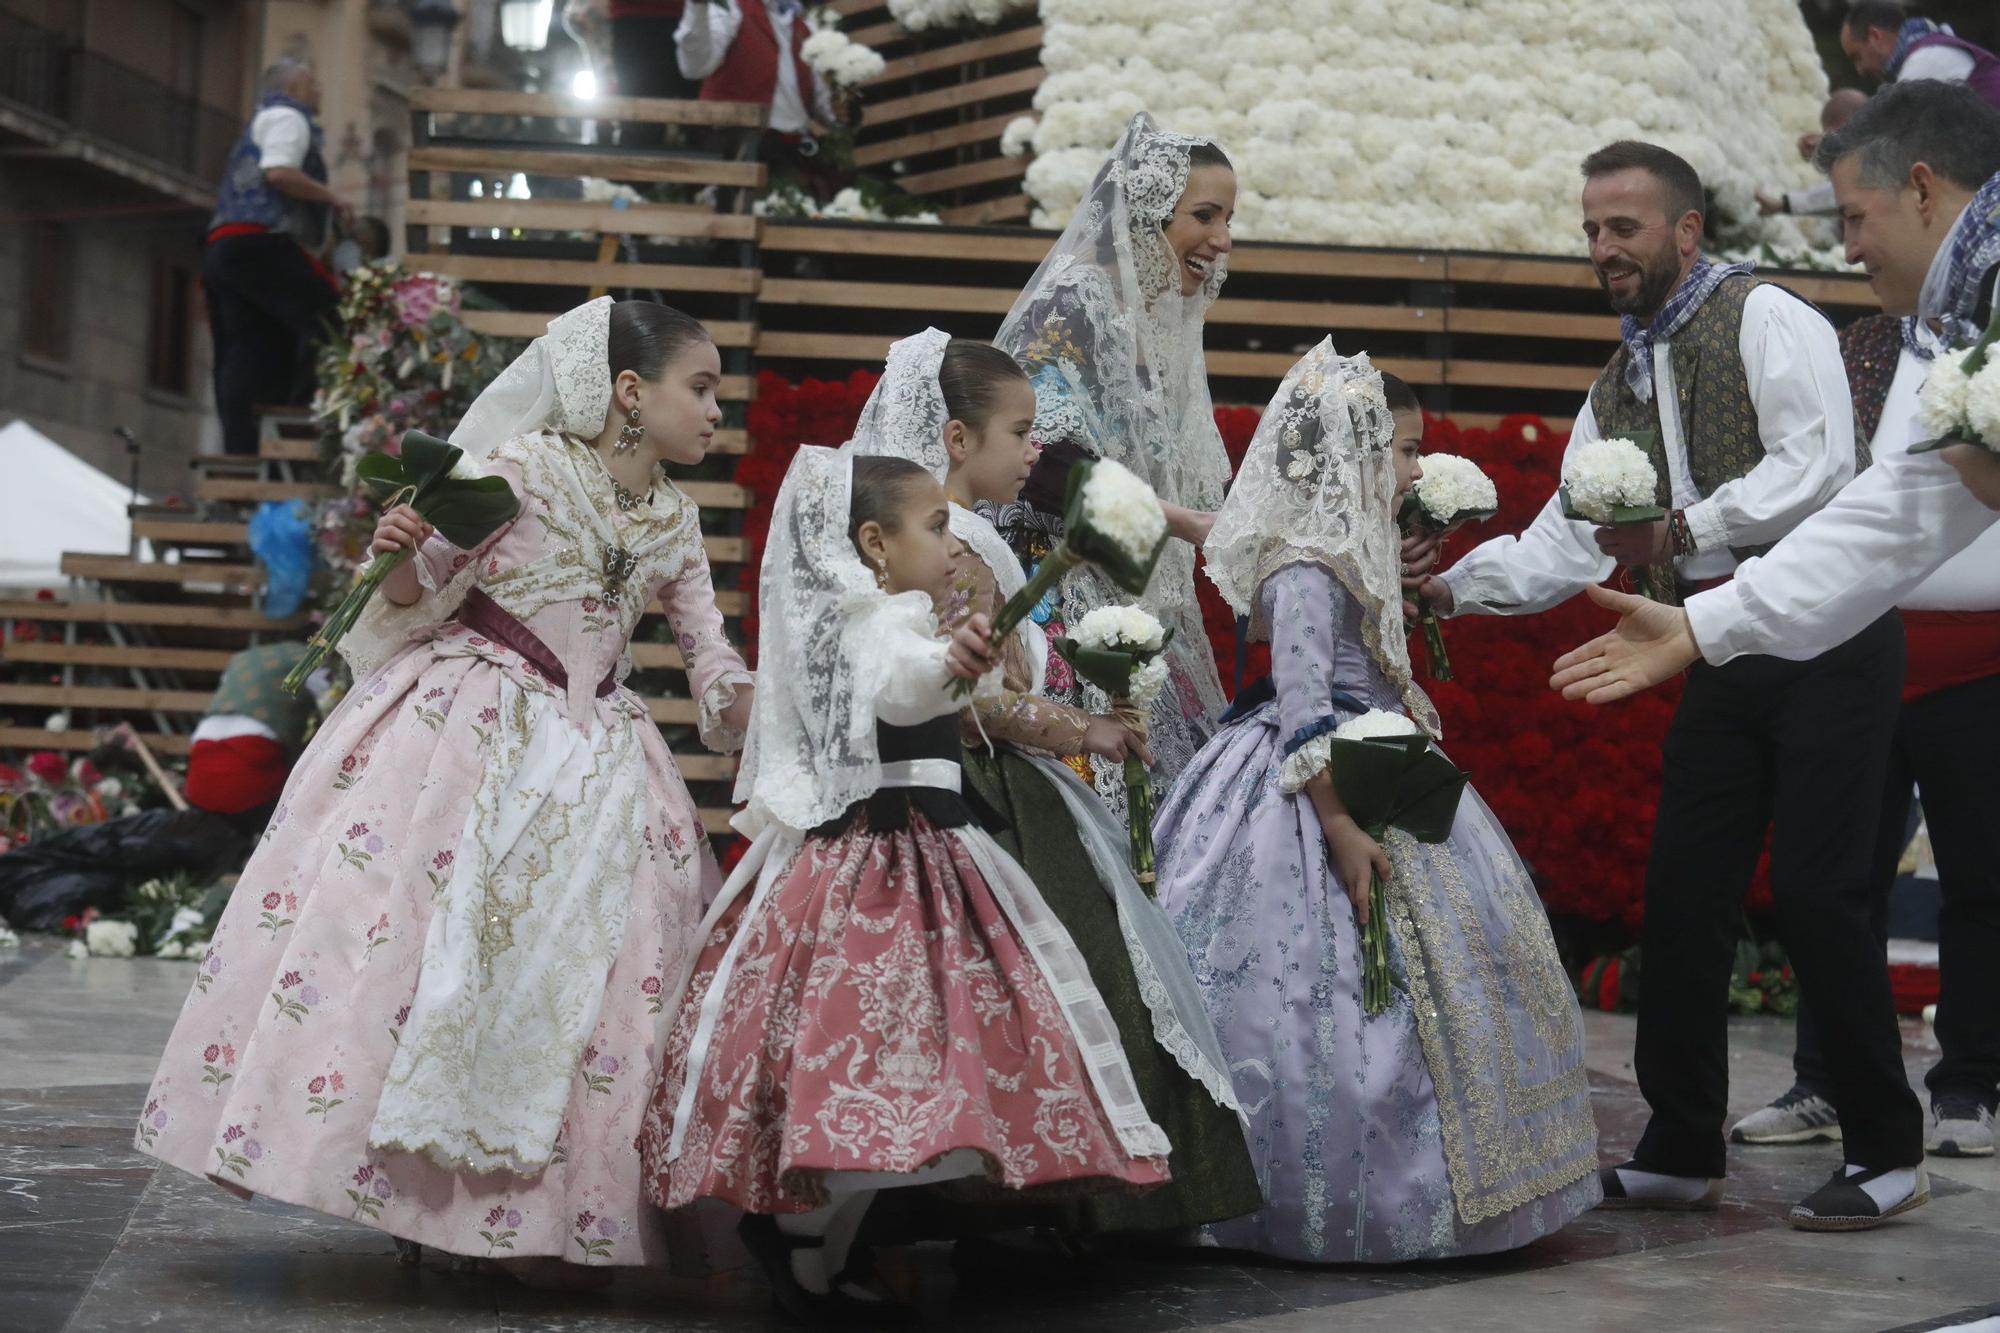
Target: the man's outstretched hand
(1650, 644)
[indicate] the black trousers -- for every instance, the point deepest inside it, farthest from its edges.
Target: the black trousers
(268, 309)
(645, 59)
(1944, 747)
(1799, 749)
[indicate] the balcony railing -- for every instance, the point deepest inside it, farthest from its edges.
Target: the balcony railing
(43, 72)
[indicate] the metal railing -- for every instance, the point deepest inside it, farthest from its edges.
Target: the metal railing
(44, 72)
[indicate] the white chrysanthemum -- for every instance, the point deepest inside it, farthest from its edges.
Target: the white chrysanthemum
(1375, 722)
(466, 469)
(76, 949)
(1130, 627)
(839, 59)
(1122, 507)
(1603, 474)
(1452, 486)
(111, 939)
(57, 722)
(1148, 683)
(1982, 404)
(1018, 137)
(1942, 401)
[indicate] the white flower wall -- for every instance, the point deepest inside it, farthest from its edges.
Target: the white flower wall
(1434, 123)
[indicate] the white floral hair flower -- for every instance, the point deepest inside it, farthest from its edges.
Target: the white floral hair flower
(1603, 474)
(1942, 402)
(1122, 507)
(1375, 722)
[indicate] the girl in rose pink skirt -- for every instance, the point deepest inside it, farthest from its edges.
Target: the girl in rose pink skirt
(435, 1002)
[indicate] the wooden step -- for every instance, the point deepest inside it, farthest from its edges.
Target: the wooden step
(187, 614)
(584, 273)
(84, 739)
(256, 492)
(983, 172)
(128, 698)
(187, 573)
(911, 242)
(962, 53)
(988, 212)
(529, 324)
(646, 110)
(502, 158)
(292, 449)
(729, 601)
(987, 130)
(210, 660)
(564, 215)
(958, 95)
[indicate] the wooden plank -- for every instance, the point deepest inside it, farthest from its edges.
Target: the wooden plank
(238, 488)
(682, 711)
(1519, 375)
(115, 655)
(964, 175)
(190, 615)
(987, 212)
(648, 110)
(958, 95)
(729, 601)
(1274, 365)
(1829, 289)
(108, 696)
(1532, 324)
(962, 53)
(907, 241)
(284, 449)
(583, 273)
(532, 324)
(1324, 262)
(887, 296)
(658, 657)
(1521, 271)
(862, 347)
(555, 215)
(878, 35)
(702, 766)
(1327, 315)
(176, 532)
(506, 157)
(38, 738)
(716, 494)
(716, 822)
(934, 141)
(117, 569)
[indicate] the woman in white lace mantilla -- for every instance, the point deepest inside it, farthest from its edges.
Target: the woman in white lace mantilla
(1458, 1120)
(434, 1002)
(1110, 330)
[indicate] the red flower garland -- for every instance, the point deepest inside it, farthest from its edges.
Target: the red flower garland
(1576, 787)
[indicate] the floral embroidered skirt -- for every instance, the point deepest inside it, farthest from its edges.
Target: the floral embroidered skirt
(881, 1012)
(271, 1079)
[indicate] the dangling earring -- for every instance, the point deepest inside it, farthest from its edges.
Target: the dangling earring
(630, 433)
(882, 574)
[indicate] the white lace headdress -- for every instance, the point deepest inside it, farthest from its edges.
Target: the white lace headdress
(1317, 485)
(905, 417)
(562, 382)
(811, 750)
(1114, 346)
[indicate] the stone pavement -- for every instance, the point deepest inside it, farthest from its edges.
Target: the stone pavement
(93, 1238)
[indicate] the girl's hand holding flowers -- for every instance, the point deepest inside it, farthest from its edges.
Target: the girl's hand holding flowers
(971, 654)
(401, 528)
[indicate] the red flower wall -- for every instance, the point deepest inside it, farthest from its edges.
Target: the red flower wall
(1576, 787)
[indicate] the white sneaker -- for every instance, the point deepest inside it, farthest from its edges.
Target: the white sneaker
(1800, 1116)
(1960, 1127)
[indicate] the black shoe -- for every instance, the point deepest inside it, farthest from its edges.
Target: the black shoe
(772, 1249)
(1842, 1205)
(1615, 1195)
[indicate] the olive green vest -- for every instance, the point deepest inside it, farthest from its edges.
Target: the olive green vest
(1718, 418)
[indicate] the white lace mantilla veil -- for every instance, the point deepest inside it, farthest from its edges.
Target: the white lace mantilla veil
(1317, 486)
(561, 383)
(905, 417)
(811, 750)
(1106, 314)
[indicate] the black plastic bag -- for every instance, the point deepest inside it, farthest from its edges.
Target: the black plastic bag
(96, 865)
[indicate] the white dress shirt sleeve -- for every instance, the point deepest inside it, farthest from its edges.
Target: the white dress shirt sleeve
(1545, 566)
(1813, 199)
(1805, 417)
(1947, 64)
(704, 35)
(283, 137)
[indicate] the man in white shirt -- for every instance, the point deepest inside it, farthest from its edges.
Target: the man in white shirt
(1741, 385)
(1814, 199)
(749, 51)
(1885, 43)
(1918, 175)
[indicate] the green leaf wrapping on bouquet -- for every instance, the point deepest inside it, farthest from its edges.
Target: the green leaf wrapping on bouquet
(1118, 564)
(1397, 781)
(1109, 669)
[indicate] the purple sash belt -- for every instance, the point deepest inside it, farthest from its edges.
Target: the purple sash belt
(482, 615)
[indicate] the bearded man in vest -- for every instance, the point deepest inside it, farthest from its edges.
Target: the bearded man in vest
(1741, 387)
(748, 51)
(1885, 43)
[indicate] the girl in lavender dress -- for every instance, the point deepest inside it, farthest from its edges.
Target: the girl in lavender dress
(435, 1001)
(1458, 1120)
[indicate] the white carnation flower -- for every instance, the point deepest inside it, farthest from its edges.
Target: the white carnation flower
(111, 789)
(1375, 722)
(467, 468)
(1019, 136)
(1603, 474)
(1941, 404)
(1122, 507)
(111, 939)
(839, 59)
(1982, 403)
(1452, 486)
(76, 949)
(1148, 683)
(1131, 627)
(57, 722)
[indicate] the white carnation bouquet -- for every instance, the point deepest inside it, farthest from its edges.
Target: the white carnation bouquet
(1118, 649)
(1452, 491)
(1612, 482)
(1387, 774)
(1960, 400)
(843, 62)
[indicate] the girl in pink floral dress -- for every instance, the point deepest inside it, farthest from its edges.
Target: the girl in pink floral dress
(435, 1001)
(882, 997)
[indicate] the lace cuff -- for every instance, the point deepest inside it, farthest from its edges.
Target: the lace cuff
(1306, 762)
(716, 734)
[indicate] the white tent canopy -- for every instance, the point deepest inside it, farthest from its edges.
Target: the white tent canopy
(53, 502)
